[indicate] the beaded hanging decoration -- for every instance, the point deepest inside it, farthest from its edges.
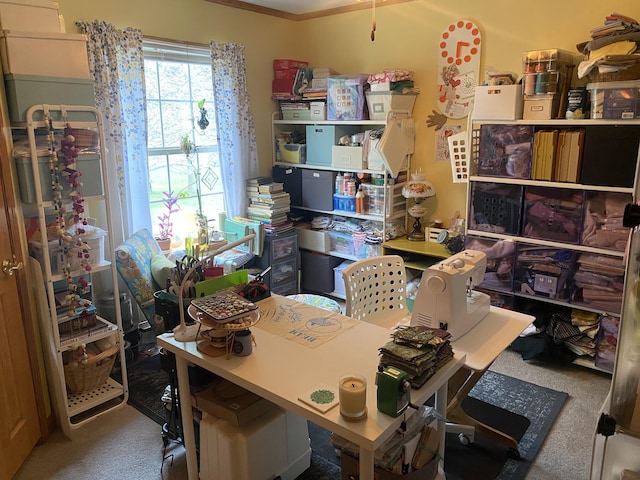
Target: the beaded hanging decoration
(67, 168)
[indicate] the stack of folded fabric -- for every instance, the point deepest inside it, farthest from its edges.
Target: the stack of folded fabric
(419, 351)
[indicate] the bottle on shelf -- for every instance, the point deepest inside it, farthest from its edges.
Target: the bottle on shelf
(360, 200)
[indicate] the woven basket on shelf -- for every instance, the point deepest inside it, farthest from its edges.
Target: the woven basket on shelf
(85, 137)
(629, 73)
(82, 377)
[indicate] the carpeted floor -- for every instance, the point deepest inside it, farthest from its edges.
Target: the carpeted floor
(521, 409)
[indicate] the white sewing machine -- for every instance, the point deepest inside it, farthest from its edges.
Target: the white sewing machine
(445, 297)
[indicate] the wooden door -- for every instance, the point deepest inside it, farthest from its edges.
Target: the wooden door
(20, 418)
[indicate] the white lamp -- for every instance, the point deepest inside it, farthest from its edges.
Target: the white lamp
(417, 189)
(189, 333)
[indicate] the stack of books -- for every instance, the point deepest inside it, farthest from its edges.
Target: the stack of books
(318, 87)
(269, 204)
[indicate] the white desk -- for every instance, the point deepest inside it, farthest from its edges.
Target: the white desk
(280, 370)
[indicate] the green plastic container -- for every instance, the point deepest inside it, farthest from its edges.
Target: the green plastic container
(24, 91)
(88, 164)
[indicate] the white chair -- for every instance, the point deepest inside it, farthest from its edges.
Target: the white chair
(376, 290)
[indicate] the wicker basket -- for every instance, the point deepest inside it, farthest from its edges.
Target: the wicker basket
(82, 377)
(630, 73)
(85, 137)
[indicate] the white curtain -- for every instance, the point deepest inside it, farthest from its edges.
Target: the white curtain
(116, 64)
(236, 129)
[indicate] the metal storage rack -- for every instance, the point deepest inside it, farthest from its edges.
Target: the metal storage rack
(74, 409)
(279, 125)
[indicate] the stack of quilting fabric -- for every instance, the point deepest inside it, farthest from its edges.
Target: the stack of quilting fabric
(417, 350)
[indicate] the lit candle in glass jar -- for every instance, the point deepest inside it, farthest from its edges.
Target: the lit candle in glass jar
(353, 396)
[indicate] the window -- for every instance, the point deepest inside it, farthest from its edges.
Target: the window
(177, 78)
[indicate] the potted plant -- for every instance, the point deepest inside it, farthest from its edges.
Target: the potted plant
(170, 201)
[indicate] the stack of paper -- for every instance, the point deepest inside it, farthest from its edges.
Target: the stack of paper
(569, 156)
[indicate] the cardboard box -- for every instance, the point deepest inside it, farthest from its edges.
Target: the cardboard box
(44, 53)
(30, 15)
(345, 157)
(232, 403)
(381, 103)
(350, 468)
(540, 107)
(499, 102)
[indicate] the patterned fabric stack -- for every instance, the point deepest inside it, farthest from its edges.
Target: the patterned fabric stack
(419, 351)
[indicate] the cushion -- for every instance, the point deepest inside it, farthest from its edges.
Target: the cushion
(161, 269)
(133, 261)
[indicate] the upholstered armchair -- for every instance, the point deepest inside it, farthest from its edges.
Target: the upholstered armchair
(138, 260)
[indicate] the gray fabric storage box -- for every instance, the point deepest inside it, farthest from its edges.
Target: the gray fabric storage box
(24, 91)
(88, 165)
(317, 189)
(316, 271)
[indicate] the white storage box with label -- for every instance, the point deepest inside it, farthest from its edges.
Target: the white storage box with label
(57, 258)
(318, 111)
(275, 445)
(498, 102)
(347, 157)
(24, 91)
(540, 107)
(48, 54)
(30, 15)
(381, 103)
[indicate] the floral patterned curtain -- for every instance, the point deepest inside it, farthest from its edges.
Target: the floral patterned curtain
(116, 64)
(236, 129)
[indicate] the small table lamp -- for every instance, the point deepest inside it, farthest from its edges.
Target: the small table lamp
(417, 189)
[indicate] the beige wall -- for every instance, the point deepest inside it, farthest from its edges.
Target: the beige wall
(407, 37)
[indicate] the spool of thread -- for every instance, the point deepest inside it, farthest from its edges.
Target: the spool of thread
(541, 82)
(529, 84)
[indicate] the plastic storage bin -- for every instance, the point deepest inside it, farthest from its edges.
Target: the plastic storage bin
(602, 227)
(375, 198)
(88, 164)
(345, 97)
(338, 281)
(544, 272)
(597, 282)
(615, 100)
(57, 258)
(501, 259)
(342, 243)
(495, 207)
(553, 214)
(23, 91)
(505, 151)
(344, 203)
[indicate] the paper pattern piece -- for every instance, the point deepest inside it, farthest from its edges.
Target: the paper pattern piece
(301, 323)
(322, 397)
